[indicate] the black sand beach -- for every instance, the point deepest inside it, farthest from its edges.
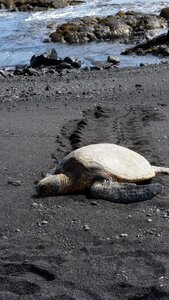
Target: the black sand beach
(72, 247)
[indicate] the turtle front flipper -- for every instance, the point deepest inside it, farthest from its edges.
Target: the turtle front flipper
(124, 192)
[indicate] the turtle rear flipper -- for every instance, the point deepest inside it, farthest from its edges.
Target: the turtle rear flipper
(162, 170)
(124, 192)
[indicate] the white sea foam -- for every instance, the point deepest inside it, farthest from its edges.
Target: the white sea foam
(98, 7)
(67, 13)
(6, 14)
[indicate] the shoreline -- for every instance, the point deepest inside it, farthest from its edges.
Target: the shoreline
(45, 251)
(96, 28)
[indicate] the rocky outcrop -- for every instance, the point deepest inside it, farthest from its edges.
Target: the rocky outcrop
(48, 62)
(51, 58)
(157, 46)
(120, 26)
(36, 5)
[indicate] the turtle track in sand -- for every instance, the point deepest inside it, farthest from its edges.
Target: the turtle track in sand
(129, 128)
(23, 278)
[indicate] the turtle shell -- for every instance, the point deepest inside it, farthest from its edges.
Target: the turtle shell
(120, 162)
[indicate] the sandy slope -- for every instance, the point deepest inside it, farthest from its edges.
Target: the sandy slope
(124, 253)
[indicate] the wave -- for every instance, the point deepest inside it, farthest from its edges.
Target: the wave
(99, 8)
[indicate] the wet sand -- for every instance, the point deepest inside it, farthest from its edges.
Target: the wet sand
(72, 247)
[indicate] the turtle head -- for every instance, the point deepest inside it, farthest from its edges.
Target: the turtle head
(50, 185)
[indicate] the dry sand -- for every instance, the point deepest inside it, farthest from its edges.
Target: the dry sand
(71, 247)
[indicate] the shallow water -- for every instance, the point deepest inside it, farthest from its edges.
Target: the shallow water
(22, 34)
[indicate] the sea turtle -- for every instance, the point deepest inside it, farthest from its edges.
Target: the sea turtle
(106, 171)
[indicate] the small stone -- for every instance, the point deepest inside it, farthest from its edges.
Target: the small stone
(14, 182)
(113, 60)
(125, 235)
(149, 232)
(3, 73)
(94, 203)
(74, 62)
(34, 205)
(95, 68)
(17, 230)
(4, 237)
(47, 40)
(44, 222)
(149, 220)
(58, 92)
(165, 215)
(47, 88)
(86, 227)
(74, 220)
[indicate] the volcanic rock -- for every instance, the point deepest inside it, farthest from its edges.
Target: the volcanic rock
(122, 25)
(156, 46)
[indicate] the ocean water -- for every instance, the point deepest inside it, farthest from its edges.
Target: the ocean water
(22, 33)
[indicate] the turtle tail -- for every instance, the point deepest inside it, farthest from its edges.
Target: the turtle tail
(124, 192)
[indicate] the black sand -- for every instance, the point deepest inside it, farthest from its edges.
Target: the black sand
(71, 247)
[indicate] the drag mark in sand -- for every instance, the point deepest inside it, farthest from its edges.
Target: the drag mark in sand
(130, 128)
(12, 274)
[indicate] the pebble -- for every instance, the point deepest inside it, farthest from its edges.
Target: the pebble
(86, 227)
(112, 59)
(17, 230)
(58, 92)
(34, 204)
(3, 73)
(44, 222)
(4, 237)
(47, 88)
(14, 182)
(165, 215)
(94, 203)
(125, 235)
(149, 232)
(149, 220)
